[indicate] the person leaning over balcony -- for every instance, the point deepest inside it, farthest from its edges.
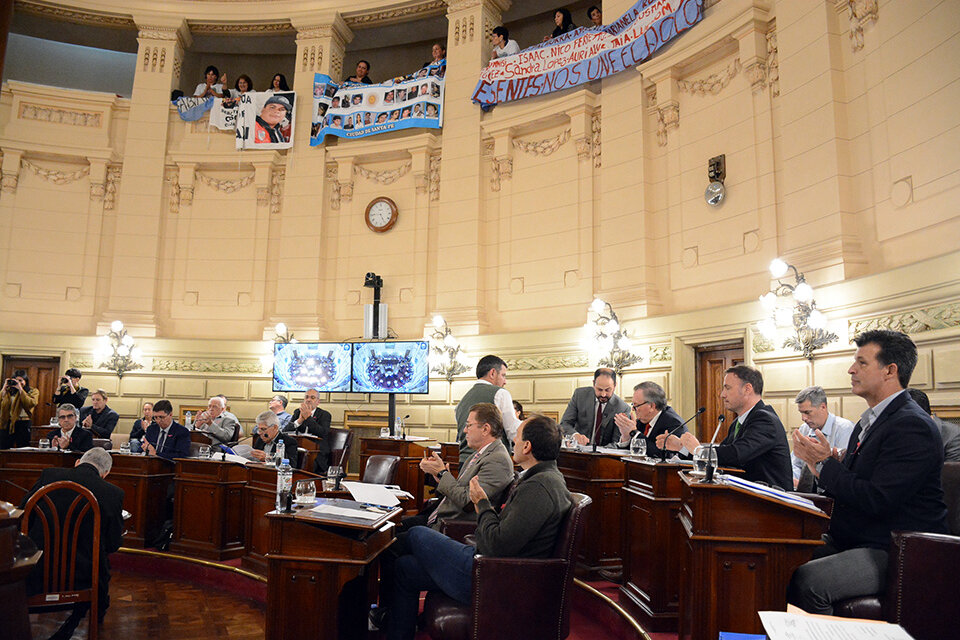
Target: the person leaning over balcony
(564, 22)
(595, 16)
(363, 68)
(438, 51)
(212, 85)
(502, 44)
(16, 410)
(278, 84)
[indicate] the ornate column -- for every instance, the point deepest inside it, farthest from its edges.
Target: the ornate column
(460, 255)
(133, 290)
(321, 39)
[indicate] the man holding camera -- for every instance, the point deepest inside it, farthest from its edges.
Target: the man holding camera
(16, 410)
(70, 391)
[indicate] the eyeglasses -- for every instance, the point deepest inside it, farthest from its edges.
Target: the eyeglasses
(66, 417)
(637, 406)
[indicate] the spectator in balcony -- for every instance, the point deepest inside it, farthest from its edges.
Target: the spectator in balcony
(595, 16)
(212, 85)
(278, 84)
(242, 86)
(363, 68)
(502, 44)
(564, 22)
(438, 51)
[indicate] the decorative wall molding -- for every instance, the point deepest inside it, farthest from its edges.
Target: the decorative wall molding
(277, 179)
(435, 177)
(261, 29)
(57, 115)
(501, 168)
(114, 172)
(226, 186)
(543, 147)
(84, 363)
(173, 179)
(388, 176)
(71, 15)
(942, 316)
(208, 366)
(311, 57)
(668, 117)
(861, 13)
(761, 344)
(713, 83)
(661, 353)
(150, 32)
(57, 176)
(773, 63)
(341, 192)
(424, 9)
(540, 363)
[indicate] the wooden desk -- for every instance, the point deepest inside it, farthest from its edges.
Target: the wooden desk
(409, 476)
(13, 577)
(311, 444)
(208, 508)
(741, 549)
(20, 470)
(319, 575)
(600, 476)
(145, 481)
(450, 453)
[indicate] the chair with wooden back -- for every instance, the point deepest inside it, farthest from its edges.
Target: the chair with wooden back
(60, 532)
(381, 469)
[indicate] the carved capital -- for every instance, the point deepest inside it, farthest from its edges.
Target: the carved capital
(862, 12)
(435, 177)
(501, 168)
(756, 73)
(668, 117)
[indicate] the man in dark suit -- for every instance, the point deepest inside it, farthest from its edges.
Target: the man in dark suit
(98, 417)
(267, 435)
(90, 471)
(316, 423)
(888, 479)
(165, 437)
(651, 415)
(756, 441)
(589, 414)
(69, 437)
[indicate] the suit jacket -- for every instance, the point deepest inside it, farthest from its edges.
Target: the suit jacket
(494, 470)
(221, 430)
(891, 482)
(950, 434)
(289, 448)
(317, 425)
(760, 448)
(110, 500)
(80, 440)
(666, 423)
(581, 415)
(103, 423)
(177, 443)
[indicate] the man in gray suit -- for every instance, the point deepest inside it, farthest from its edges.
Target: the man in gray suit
(217, 422)
(589, 414)
(490, 464)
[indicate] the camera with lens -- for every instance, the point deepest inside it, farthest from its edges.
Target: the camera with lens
(11, 385)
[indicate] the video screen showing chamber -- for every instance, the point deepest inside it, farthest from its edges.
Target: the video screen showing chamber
(391, 367)
(324, 366)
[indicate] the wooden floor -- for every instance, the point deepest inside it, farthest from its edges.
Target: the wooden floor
(158, 609)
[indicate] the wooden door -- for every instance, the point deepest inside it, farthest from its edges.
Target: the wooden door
(42, 374)
(711, 363)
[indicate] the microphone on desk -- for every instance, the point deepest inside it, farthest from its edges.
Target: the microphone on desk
(719, 424)
(663, 451)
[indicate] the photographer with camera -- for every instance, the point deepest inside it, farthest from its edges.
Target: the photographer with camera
(70, 391)
(16, 410)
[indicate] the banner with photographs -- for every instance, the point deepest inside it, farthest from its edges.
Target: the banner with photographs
(265, 120)
(583, 54)
(354, 110)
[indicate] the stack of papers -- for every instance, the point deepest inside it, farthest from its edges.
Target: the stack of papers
(781, 625)
(343, 512)
(770, 492)
(381, 494)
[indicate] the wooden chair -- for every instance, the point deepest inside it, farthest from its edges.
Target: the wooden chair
(103, 443)
(60, 533)
(381, 469)
(340, 442)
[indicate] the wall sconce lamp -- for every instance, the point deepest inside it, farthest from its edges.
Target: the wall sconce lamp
(118, 351)
(792, 305)
(605, 340)
(282, 336)
(445, 351)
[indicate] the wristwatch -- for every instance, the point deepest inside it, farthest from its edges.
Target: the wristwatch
(440, 473)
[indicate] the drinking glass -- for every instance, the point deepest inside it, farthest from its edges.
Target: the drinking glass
(638, 446)
(54, 423)
(205, 451)
(125, 447)
(384, 432)
(329, 485)
(703, 456)
(569, 442)
(44, 443)
(306, 492)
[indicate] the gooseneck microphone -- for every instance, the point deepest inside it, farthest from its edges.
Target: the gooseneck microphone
(719, 424)
(663, 451)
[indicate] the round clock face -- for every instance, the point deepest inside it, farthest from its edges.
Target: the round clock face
(381, 214)
(714, 193)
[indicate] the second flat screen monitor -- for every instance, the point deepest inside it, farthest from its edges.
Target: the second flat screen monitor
(391, 367)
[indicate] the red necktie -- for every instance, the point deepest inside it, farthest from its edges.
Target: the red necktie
(596, 427)
(646, 429)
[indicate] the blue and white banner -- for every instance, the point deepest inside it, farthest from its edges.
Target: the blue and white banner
(265, 120)
(355, 110)
(583, 55)
(192, 109)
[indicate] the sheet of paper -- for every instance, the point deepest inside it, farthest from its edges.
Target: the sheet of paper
(781, 625)
(342, 512)
(371, 493)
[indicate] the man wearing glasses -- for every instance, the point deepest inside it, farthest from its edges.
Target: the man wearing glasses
(68, 437)
(267, 435)
(651, 416)
(165, 437)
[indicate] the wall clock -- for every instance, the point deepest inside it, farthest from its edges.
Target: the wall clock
(381, 214)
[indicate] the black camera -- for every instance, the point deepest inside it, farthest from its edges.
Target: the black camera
(11, 385)
(64, 380)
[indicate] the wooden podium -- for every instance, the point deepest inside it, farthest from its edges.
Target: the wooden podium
(208, 508)
(20, 469)
(145, 481)
(320, 576)
(409, 476)
(741, 550)
(600, 476)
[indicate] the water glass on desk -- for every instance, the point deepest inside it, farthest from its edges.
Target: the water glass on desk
(384, 432)
(333, 475)
(306, 492)
(638, 446)
(204, 451)
(44, 443)
(125, 447)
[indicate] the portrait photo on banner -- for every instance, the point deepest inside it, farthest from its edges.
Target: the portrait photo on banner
(266, 120)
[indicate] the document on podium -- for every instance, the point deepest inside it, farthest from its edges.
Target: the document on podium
(782, 625)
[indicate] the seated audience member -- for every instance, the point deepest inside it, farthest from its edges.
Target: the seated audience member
(438, 52)
(490, 464)
(16, 410)
(69, 437)
(949, 432)
(564, 23)
(502, 44)
(265, 439)
(278, 84)
(219, 424)
(212, 85)
(756, 441)
(589, 414)
(165, 437)
(140, 426)
(595, 16)
(269, 125)
(363, 68)
(98, 417)
(888, 480)
(812, 405)
(70, 391)
(651, 416)
(311, 419)
(527, 527)
(518, 411)
(89, 472)
(278, 404)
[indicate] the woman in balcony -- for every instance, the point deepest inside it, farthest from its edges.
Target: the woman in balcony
(278, 84)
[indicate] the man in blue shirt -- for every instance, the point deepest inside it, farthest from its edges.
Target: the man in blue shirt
(278, 404)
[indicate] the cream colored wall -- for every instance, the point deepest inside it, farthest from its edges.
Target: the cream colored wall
(841, 152)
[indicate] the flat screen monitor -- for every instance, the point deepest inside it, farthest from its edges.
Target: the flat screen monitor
(324, 366)
(391, 367)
